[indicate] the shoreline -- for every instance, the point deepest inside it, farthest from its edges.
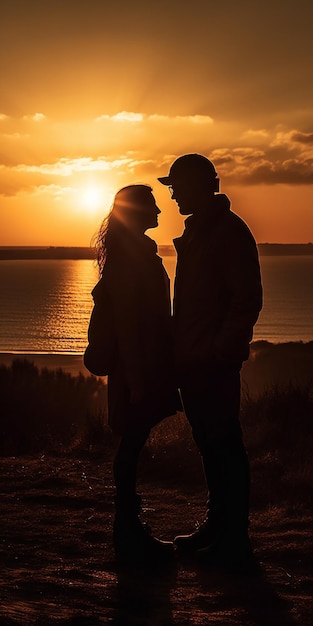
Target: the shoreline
(69, 363)
(84, 252)
(268, 364)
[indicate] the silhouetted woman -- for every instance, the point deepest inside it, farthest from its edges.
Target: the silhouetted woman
(140, 384)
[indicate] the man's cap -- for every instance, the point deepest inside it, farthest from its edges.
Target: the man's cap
(190, 166)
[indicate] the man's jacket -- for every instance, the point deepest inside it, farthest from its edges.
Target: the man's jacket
(218, 292)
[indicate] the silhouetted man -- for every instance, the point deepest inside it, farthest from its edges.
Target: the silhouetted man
(217, 300)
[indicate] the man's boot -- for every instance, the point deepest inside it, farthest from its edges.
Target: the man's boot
(235, 554)
(223, 537)
(232, 548)
(132, 540)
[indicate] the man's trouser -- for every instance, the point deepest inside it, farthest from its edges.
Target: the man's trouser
(213, 413)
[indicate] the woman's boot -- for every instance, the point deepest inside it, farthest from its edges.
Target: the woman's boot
(132, 540)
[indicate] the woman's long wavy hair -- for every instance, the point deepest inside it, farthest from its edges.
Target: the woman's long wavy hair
(128, 202)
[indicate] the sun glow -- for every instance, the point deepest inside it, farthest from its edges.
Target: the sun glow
(92, 199)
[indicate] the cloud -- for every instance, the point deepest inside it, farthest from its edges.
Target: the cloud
(181, 119)
(279, 156)
(292, 139)
(136, 147)
(304, 138)
(128, 116)
(63, 167)
(68, 167)
(56, 191)
(254, 135)
(290, 172)
(283, 160)
(123, 116)
(37, 117)
(46, 176)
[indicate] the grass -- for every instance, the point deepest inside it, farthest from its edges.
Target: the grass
(48, 410)
(56, 413)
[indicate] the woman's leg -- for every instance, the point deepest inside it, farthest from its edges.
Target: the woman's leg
(125, 466)
(132, 542)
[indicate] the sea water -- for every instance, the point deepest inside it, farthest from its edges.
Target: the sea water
(45, 305)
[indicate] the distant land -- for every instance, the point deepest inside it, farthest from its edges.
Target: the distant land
(64, 252)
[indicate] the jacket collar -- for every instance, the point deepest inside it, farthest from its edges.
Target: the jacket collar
(219, 205)
(204, 221)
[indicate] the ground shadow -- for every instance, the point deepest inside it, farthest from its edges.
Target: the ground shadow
(142, 593)
(251, 598)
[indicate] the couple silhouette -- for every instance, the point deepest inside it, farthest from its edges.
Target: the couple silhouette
(190, 360)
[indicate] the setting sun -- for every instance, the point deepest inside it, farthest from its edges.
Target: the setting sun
(92, 198)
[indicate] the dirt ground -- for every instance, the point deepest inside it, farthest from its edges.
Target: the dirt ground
(58, 568)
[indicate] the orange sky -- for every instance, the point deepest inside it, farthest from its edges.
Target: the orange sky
(96, 96)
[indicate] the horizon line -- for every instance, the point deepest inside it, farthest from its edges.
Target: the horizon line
(163, 245)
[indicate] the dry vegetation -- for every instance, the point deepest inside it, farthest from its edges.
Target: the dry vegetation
(57, 505)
